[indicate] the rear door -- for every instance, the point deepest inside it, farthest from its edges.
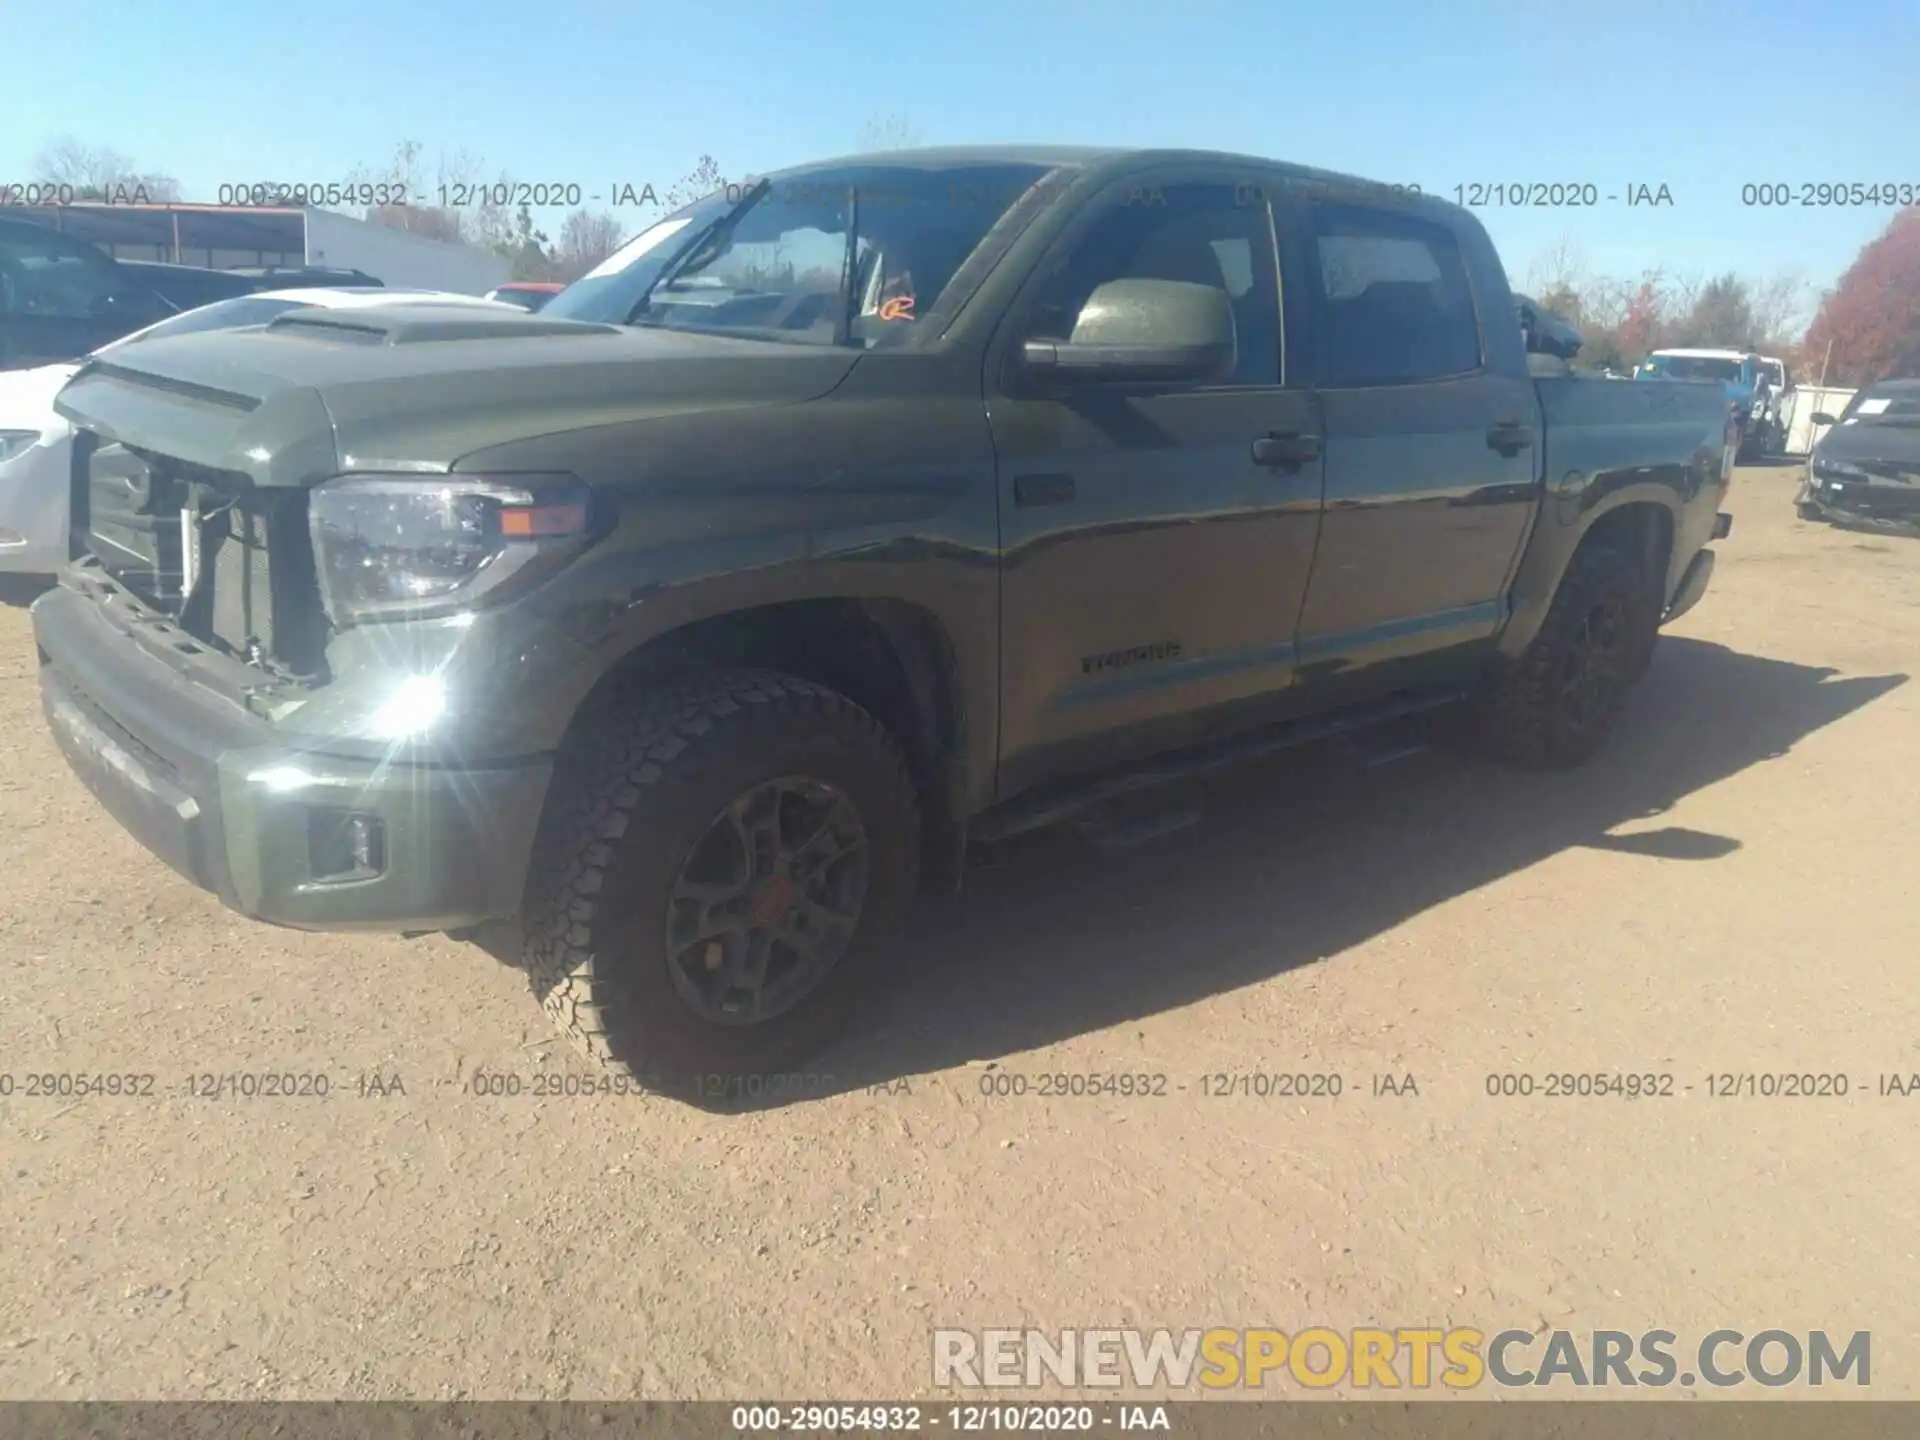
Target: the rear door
(1155, 540)
(1430, 450)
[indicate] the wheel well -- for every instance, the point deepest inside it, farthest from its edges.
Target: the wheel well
(1642, 529)
(891, 658)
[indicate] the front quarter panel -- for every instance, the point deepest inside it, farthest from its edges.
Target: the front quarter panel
(881, 490)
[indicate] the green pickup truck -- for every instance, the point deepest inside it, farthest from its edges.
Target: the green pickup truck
(836, 521)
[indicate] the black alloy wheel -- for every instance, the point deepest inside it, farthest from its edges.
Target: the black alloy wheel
(767, 901)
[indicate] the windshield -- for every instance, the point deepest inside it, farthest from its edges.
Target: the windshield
(1884, 405)
(1691, 367)
(779, 268)
(221, 315)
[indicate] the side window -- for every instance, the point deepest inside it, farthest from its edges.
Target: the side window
(1395, 304)
(1204, 234)
(51, 277)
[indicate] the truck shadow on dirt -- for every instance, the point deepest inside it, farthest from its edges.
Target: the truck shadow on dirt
(1296, 860)
(1300, 859)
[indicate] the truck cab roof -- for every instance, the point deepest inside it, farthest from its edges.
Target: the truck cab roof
(1708, 354)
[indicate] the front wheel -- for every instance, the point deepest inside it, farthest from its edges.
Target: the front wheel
(721, 869)
(1552, 706)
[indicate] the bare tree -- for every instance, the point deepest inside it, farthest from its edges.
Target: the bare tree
(586, 238)
(96, 172)
(1604, 300)
(404, 174)
(1558, 271)
(1782, 308)
(449, 198)
(696, 184)
(888, 132)
(1683, 296)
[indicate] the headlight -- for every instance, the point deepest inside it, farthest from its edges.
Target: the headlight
(1836, 470)
(16, 442)
(400, 547)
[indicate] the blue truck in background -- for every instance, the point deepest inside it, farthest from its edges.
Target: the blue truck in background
(1753, 399)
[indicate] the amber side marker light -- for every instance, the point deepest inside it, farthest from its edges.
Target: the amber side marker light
(532, 522)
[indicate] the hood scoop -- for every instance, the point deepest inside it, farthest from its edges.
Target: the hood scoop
(402, 324)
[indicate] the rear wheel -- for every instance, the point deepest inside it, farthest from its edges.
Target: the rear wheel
(724, 862)
(1552, 707)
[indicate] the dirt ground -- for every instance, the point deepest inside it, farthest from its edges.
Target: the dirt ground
(1730, 887)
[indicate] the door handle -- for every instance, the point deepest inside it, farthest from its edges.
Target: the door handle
(1286, 450)
(1509, 437)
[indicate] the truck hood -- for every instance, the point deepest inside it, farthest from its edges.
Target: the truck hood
(415, 388)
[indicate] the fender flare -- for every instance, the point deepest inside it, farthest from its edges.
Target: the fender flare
(1555, 540)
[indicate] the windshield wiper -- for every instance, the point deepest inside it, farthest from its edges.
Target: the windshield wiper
(703, 243)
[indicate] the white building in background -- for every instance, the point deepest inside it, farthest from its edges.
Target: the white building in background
(228, 237)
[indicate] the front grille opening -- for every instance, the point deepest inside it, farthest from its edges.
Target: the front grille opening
(229, 562)
(132, 518)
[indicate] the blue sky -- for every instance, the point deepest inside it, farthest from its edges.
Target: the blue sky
(1701, 98)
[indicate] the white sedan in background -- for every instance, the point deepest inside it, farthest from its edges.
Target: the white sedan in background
(36, 445)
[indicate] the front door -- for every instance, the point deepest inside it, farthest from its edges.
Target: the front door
(1153, 567)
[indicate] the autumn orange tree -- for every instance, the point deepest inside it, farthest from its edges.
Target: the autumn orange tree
(1871, 317)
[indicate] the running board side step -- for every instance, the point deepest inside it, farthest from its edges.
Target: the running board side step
(1053, 804)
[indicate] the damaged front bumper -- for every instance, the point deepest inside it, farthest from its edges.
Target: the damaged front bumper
(1888, 506)
(276, 827)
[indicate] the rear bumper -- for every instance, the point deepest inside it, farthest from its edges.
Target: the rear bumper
(224, 800)
(1699, 574)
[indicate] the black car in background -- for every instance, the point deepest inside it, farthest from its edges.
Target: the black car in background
(187, 287)
(61, 297)
(1865, 470)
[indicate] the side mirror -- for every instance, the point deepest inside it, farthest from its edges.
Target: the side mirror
(1821, 417)
(1143, 330)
